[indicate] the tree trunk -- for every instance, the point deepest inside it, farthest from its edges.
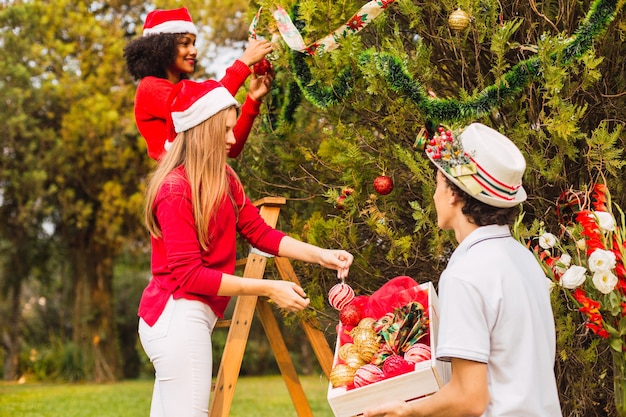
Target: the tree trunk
(12, 332)
(94, 314)
(306, 356)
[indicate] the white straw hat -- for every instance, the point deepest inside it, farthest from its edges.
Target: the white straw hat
(482, 162)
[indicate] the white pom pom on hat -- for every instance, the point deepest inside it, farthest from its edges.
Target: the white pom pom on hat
(169, 21)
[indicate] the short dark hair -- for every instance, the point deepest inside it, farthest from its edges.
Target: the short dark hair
(482, 214)
(151, 55)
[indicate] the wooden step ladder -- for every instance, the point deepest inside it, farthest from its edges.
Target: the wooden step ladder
(239, 329)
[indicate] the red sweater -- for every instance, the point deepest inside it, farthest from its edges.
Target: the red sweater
(151, 110)
(180, 267)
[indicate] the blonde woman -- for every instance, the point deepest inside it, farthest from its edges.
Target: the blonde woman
(195, 206)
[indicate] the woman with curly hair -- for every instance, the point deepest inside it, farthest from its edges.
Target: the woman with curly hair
(166, 54)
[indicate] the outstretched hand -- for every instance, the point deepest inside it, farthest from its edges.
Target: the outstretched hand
(337, 259)
(260, 85)
(288, 295)
(256, 51)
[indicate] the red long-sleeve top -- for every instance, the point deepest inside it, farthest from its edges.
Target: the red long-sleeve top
(180, 267)
(151, 110)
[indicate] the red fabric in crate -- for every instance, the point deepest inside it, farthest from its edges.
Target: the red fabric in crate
(395, 293)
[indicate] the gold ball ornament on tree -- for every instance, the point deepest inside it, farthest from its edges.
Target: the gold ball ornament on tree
(459, 20)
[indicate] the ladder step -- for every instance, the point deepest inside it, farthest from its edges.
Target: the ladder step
(221, 324)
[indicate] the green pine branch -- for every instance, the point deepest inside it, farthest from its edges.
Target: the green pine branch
(314, 91)
(600, 15)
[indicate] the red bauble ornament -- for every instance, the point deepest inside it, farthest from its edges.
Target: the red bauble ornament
(350, 315)
(262, 67)
(339, 204)
(396, 365)
(383, 185)
(340, 295)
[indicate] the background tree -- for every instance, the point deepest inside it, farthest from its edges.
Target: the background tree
(24, 200)
(80, 161)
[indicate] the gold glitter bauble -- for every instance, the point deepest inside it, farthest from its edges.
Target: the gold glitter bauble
(346, 350)
(341, 375)
(353, 360)
(459, 20)
(368, 349)
(367, 323)
(362, 334)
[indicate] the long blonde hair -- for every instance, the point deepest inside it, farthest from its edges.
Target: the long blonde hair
(202, 152)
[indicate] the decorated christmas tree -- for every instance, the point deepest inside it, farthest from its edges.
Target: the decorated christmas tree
(361, 86)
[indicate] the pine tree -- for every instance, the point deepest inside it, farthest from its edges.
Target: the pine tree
(547, 75)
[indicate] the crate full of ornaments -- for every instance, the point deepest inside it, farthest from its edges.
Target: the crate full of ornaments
(386, 346)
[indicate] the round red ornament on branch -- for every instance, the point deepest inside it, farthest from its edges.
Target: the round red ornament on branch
(383, 184)
(262, 67)
(340, 202)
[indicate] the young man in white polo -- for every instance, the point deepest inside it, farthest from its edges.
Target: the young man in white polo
(496, 322)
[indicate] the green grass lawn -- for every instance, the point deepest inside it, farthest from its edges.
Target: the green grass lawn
(254, 397)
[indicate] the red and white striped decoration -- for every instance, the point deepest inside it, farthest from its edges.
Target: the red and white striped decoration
(417, 353)
(340, 295)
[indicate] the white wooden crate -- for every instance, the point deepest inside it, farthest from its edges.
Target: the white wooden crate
(427, 378)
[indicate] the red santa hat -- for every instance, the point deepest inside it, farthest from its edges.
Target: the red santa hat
(169, 21)
(191, 103)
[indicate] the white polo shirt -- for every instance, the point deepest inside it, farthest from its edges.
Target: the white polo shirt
(495, 308)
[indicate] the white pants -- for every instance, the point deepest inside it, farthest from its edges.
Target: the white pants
(179, 347)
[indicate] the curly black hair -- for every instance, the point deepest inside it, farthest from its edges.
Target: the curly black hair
(482, 214)
(151, 55)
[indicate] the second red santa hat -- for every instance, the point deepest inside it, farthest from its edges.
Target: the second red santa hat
(191, 103)
(169, 21)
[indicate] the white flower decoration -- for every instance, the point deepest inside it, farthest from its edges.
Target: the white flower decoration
(606, 221)
(581, 244)
(547, 240)
(551, 284)
(564, 261)
(601, 260)
(605, 281)
(573, 277)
